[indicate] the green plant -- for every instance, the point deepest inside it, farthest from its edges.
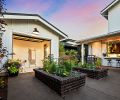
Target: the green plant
(67, 52)
(13, 66)
(2, 82)
(13, 62)
(87, 65)
(61, 47)
(49, 65)
(61, 71)
(13, 69)
(71, 52)
(98, 62)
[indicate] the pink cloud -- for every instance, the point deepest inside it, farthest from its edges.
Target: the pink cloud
(80, 21)
(30, 6)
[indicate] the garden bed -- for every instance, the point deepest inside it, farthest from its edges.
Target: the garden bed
(3, 86)
(61, 85)
(93, 73)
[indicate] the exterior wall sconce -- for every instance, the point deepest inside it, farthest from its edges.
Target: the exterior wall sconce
(35, 31)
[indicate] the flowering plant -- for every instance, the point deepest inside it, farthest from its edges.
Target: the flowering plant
(13, 62)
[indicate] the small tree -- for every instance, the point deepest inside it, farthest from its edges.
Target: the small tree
(3, 50)
(2, 10)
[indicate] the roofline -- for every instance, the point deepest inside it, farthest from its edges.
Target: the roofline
(25, 14)
(104, 12)
(101, 37)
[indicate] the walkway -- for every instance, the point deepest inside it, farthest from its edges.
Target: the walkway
(27, 87)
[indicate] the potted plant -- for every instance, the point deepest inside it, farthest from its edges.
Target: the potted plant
(13, 67)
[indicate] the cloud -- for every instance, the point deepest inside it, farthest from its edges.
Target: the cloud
(80, 19)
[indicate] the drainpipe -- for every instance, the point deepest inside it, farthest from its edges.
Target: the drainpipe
(82, 53)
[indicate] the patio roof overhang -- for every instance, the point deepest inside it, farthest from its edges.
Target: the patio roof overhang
(109, 36)
(25, 37)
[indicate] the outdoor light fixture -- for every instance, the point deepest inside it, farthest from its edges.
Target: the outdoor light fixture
(35, 31)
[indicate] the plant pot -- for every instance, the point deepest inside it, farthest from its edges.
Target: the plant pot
(13, 74)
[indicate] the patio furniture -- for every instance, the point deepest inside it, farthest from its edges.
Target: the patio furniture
(91, 59)
(117, 62)
(109, 62)
(61, 85)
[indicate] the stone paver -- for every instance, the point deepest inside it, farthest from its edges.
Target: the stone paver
(27, 87)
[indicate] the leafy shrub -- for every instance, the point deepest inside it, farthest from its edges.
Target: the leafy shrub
(61, 68)
(13, 65)
(87, 65)
(13, 69)
(61, 71)
(98, 62)
(71, 52)
(13, 62)
(61, 47)
(49, 65)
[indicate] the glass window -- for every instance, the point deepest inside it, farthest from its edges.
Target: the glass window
(114, 48)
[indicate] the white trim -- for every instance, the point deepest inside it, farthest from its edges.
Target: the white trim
(109, 6)
(33, 17)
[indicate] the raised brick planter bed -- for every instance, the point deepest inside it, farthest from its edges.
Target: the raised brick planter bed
(61, 85)
(93, 73)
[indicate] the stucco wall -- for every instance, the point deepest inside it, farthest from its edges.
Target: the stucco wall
(114, 18)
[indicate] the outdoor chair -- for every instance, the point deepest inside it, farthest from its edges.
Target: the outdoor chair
(91, 59)
(109, 62)
(117, 62)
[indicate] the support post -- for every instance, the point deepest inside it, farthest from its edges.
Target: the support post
(82, 53)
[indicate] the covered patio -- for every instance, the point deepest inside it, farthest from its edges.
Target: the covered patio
(106, 47)
(27, 87)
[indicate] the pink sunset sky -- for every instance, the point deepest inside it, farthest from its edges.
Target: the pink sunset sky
(79, 19)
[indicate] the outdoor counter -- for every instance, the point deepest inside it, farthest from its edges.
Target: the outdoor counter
(114, 61)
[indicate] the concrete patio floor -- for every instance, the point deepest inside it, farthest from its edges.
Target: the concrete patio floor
(27, 87)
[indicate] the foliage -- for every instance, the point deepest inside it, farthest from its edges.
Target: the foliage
(61, 47)
(87, 65)
(98, 62)
(2, 10)
(61, 71)
(49, 65)
(13, 69)
(62, 68)
(71, 52)
(13, 65)
(13, 62)
(2, 82)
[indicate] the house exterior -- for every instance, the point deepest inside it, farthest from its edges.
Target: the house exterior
(31, 38)
(106, 46)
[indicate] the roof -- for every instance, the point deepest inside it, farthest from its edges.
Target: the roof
(69, 42)
(104, 12)
(8, 15)
(101, 37)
